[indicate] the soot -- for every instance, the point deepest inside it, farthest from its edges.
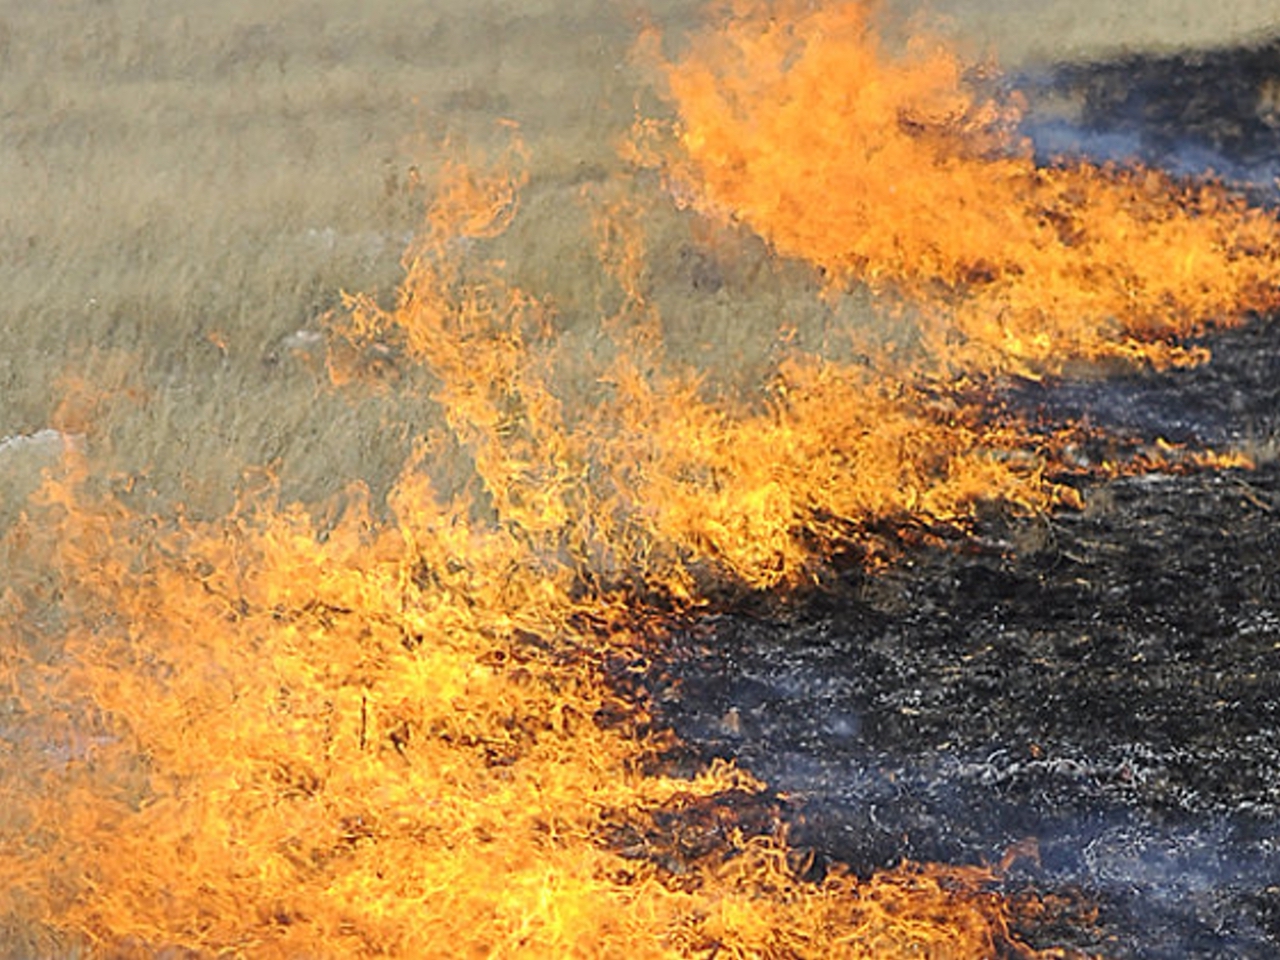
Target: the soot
(1101, 694)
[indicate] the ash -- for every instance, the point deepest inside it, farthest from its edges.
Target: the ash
(1099, 710)
(1092, 699)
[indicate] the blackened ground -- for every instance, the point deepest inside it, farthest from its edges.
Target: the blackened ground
(1096, 694)
(1190, 112)
(1092, 698)
(1234, 402)
(1109, 689)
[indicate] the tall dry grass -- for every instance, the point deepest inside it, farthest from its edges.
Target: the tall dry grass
(187, 188)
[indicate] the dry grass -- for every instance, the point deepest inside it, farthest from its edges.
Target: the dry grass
(185, 189)
(1045, 31)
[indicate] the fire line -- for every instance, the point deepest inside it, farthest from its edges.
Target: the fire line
(403, 733)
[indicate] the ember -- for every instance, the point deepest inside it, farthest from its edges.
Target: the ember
(430, 729)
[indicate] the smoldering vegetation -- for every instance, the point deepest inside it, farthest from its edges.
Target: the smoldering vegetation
(1208, 112)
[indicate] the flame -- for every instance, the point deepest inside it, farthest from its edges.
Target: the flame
(260, 737)
(899, 174)
(282, 735)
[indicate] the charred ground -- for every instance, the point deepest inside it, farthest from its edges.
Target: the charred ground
(1104, 684)
(1189, 111)
(1088, 702)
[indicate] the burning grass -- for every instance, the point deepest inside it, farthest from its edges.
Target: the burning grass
(399, 733)
(397, 738)
(899, 174)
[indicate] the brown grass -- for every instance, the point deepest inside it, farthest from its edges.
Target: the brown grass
(185, 190)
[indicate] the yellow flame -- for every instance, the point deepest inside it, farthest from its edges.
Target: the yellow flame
(400, 738)
(897, 173)
(409, 737)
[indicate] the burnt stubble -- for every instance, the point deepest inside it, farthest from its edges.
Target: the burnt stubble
(1104, 706)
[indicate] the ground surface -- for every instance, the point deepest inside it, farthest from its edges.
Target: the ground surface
(1091, 699)
(188, 192)
(1110, 695)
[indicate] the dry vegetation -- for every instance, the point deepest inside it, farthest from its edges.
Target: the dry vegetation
(187, 188)
(316, 712)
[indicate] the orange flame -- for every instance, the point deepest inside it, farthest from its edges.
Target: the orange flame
(897, 173)
(398, 739)
(254, 737)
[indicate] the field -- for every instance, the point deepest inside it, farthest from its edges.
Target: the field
(254, 261)
(187, 192)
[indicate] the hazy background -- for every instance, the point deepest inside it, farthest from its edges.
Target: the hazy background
(1028, 32)
(186, 189)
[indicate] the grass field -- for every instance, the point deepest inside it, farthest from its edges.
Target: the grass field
(187, 191)
(187, 196)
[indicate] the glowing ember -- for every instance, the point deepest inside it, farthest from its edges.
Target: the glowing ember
(400, 738)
